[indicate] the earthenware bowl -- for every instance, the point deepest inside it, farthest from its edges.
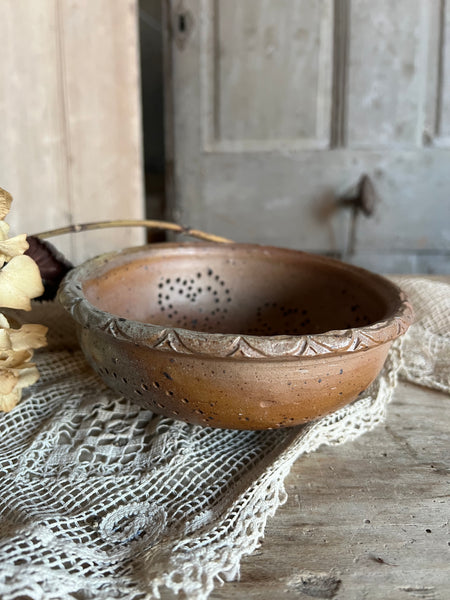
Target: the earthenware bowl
(234, 335)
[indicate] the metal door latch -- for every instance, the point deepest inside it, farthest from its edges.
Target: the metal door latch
(363, 198)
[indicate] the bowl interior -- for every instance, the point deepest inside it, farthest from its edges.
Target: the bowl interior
(245, 289)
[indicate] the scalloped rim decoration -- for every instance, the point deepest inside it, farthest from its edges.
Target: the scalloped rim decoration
(219, 345)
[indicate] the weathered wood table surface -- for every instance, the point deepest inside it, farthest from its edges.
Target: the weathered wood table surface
(365, 520)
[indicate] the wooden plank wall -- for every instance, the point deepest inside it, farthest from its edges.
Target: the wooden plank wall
(70, 123)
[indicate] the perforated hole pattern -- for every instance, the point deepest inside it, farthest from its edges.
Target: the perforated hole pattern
(204, 302)
(198, 302)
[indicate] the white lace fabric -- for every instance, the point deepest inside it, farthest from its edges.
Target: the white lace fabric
(102, 499)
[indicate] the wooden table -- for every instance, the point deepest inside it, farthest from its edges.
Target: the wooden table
(365, 520)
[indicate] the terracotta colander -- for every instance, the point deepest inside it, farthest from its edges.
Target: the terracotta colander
(233, 335)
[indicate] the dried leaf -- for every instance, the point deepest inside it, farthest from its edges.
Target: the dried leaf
(5, 203)
(27, 374)
(4, 230)
(10, 247)
(22, 338)
(16, 370)
(14, 246)
(8, 382)
(52, 264)
(9, 401)
(28, 336)
(20, 377)
(16, 373)
(14, 359)
(20, 281)
(5, 341)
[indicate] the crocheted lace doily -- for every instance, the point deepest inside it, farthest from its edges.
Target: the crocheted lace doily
(102, 499)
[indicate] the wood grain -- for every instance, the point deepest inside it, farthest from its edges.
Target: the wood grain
(70, 118)
(99, 47)
(33, 148)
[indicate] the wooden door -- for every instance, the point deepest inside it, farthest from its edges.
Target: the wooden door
(275, 109)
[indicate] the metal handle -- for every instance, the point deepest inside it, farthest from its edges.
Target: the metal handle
(148, 224)
(363, 198)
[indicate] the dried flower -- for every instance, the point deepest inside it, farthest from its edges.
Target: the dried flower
(18, 375)
(5, 203)
(10, 247)
(23, 338)
(16, 370)
(20, 281)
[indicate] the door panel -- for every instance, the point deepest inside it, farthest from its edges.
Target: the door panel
(387, 72)
(275, 109)
(254, 59)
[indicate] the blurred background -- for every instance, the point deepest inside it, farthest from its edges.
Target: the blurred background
(322, 126)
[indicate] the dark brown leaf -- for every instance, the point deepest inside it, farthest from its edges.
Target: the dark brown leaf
(52, 264)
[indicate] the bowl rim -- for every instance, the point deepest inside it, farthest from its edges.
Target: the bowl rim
(231, 345)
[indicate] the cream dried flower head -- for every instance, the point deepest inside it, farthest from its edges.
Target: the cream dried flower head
(5, 203)
(11, 247)
(20, 281)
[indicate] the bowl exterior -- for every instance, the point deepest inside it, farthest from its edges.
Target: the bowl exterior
(231, 393)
